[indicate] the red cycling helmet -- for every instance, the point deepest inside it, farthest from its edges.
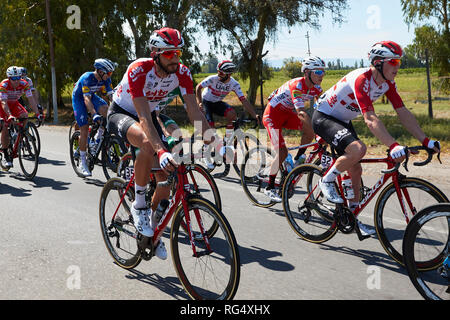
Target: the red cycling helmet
(165, 39)
(385, 50)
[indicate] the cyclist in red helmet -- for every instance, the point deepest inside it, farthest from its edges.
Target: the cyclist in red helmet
(352, 95)
(132, 115)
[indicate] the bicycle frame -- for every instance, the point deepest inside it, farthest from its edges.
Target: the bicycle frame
(20, 127)
(181, 196)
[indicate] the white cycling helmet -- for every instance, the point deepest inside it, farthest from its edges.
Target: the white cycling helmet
(226, 66)
(312, 63)
(105, 65)
(13, 71)
(385, 50)
(165, 39)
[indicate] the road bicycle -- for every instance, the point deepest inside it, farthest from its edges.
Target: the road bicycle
(22, 145)
(106, 152)
(201, 182)
(256, 168)
(426, 246)
(208, 266)
(316, 220)
(241, 141)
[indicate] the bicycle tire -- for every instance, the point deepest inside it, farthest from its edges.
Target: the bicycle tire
(302, 209)
(254, 178)
(433, 221)
(113, 149)
(73, 128)
(28, 156)
(120, 231)
(185, 262)
(34, 133)
(387, 221)
(74, 152)
(250, 142)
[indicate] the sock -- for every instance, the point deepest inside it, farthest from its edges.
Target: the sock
(271, 184)
(139, 202)
(331, 174)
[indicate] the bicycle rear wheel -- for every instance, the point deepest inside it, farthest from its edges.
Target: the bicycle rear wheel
(119, 235)
(390, 222)
(34, 133)
(255, 175)
(305, 207)
(112, 150)
(209, 274)
(28, 156)
(427, 238)
(242, 142)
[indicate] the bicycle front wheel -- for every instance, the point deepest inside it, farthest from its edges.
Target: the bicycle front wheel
(112, 151)
(119, 233)
(213, 272)
(390, 220)
(34, 133)
(427, 239)
(28, 156)
(305, 207)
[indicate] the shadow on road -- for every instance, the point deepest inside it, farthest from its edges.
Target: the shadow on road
(264, 258)
(13, 191)
(43, 160)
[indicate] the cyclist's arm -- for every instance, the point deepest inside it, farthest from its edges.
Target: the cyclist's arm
(5, 107)
(377, 128)
(198, 95)
(33, 103)
(195, 114)
(89, 105)
(408, 120)
(248, 106)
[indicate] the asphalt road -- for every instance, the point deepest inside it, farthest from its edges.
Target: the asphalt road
(51, 246)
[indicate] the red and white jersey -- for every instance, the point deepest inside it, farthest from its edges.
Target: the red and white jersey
(141, 80)
(354, 94)
(293, 94)
(216, 90)
(8, 93)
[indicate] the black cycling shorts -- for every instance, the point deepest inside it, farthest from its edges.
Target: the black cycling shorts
(220, 108)
(120, 120)
(336, 133)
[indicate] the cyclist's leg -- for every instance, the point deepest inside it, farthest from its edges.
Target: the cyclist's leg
(101, 107)
(230, 115)
(81, 116)
(207, 107)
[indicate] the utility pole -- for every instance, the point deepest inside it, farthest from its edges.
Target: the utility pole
(52, 62)
(307, 39)
(430, 105)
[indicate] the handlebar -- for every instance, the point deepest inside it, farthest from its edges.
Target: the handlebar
(414, 150)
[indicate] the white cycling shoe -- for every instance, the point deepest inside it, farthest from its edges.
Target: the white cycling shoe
(83, 167)
(141, 221)
(160, 250)
(329, 191)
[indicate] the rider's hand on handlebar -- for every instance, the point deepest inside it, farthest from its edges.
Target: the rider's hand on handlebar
(166, 161)
(397, 152)
(432, 144)
(96, 118)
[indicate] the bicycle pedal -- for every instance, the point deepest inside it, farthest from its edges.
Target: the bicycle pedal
(361, 237)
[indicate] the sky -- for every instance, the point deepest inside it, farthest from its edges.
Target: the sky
(367, 22)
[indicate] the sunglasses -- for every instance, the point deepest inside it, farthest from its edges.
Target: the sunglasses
(107, 73)
(394, 62)
(171, 53)
(15, 78)
(319, 72)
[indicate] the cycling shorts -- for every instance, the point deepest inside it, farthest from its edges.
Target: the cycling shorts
(220, 108)
(16, 109)
(275, 119)
(336, 133)
(80, 110)
(120, 120)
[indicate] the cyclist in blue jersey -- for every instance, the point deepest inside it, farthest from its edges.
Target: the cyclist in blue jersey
(85, 100)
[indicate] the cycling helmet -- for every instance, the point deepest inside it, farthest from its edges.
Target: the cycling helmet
(165, 39)
(23, 71)
(105, 65)
(313, 63)
(385, 50)
(13, 71)
(226, 66)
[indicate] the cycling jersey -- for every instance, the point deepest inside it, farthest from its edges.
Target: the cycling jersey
(88, 85)
(216, 90)
(354, 94)
(141, 80)
(30, 83)
(8, 93)
(170, 97)
(293, 94)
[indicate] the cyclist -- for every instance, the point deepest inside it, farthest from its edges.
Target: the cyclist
(132, 116)
(352, 95)
(286, 109)
(217, 88)
(11, 90)
(24, 73)
(84, 100)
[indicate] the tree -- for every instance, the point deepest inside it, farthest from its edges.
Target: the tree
(292, 67)
(248, 24)
(436, 40)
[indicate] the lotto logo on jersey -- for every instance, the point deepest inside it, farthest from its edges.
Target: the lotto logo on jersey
(332, 100)
(156, 94)
(134, 72)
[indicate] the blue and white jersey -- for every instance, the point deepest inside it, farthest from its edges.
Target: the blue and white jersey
(88, 85)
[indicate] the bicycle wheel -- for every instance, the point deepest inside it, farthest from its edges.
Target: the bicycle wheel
(427, 238)
(120, 235)
(242, 142)
(306, 209)
(28, 156)
(112, 150)
(203, 184)
(74, 152)
(390, 222)
(209, 274)
(73, 128)
(34, 133)
(255, 175)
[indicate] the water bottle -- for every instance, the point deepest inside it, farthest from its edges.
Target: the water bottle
(92, 146)
(289, 163)
(157, 215)
(348, 188)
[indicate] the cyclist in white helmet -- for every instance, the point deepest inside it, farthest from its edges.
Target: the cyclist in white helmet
(85, 100)
(352, 95)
